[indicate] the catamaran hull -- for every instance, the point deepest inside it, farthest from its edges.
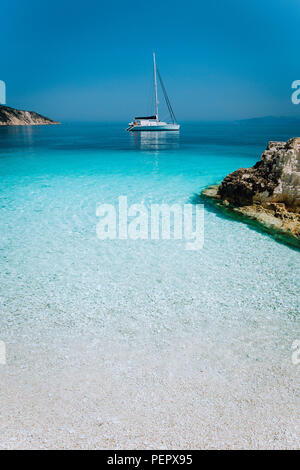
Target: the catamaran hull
(166, 127)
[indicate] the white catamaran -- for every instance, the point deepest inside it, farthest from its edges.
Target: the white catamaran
(152, 123)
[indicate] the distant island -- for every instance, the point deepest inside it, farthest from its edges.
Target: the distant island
(267, 194)
(270, 120)
(15, 117)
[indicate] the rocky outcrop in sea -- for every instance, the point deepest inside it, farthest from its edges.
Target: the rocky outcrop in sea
(15, 117)
(267, 193)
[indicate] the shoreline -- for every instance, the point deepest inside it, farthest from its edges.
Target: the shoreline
(270, 220)
(30, 124)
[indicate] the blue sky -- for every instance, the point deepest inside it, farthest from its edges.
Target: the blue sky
(92, 60)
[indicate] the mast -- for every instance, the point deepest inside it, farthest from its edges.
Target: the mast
(155, 87)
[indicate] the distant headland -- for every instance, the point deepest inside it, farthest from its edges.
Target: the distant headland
(15, 117)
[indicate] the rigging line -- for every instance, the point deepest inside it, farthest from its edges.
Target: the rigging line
(171, 110)
(166, 98)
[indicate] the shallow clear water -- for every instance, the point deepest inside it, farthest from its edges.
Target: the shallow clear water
(140, 343)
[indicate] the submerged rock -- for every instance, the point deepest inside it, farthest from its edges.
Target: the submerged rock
(15, 117)
(268, 192)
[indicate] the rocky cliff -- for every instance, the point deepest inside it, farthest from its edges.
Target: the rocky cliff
(14, 117)
(268, 193)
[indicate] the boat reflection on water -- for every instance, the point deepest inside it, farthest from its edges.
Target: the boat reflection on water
(154, 141)
(21, 136)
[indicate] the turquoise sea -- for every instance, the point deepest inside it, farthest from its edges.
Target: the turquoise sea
(140, 343)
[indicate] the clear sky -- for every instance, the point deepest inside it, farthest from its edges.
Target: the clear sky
(92, 60)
